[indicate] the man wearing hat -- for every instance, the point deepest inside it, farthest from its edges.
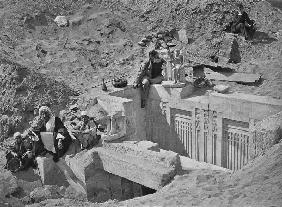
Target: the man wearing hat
(86, 131)
(21, 149)
(150, 73)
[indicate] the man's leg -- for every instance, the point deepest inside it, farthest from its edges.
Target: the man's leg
(242, 29)
(144, 91)
(174, 72)
(157, 80)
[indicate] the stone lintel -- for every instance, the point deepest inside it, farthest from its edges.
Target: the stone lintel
(149, 168)
(140, 162)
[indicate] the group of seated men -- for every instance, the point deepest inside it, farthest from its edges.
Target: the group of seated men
(48, 134)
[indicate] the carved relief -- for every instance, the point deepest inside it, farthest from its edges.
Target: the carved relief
(206, 120)
(197, 119)
(163, 106)
(214, 122)
(116, 127)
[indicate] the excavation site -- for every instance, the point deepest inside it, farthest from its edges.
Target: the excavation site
(140, 103)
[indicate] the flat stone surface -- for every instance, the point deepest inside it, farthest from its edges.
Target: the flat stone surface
(134, 161)
(232, 77)
(149, 168)
(251, 98)
(171, 84)
(191, 164)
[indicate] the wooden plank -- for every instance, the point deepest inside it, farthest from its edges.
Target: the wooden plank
(232, 77)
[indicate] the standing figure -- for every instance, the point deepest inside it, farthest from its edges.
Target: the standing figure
(177, 63)
(149, 73)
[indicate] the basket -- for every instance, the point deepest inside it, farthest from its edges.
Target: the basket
(119, 82)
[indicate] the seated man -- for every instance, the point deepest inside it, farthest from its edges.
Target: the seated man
(85, 131)
(177, 62)
(242, 24)
(21, 149)
(150, 73)
(52, 135)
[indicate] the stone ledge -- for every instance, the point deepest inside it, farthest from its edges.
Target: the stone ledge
(171, 84)
(134, 161)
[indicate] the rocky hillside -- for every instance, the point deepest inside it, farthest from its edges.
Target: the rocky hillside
(22, 90)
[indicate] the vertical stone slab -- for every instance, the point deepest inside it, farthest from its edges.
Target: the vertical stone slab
(219, 141)
(210, 137)
(50, 173)
(127, 189)
(115, 187)
(137, 190)
(98, 186)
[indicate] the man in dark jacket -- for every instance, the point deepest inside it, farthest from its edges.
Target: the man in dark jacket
(46, 122)
(149, 73)
(242, 24)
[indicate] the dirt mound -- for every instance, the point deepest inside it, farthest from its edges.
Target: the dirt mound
(21, 91)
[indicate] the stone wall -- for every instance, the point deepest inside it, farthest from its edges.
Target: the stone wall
(266, 133)
(212, 128)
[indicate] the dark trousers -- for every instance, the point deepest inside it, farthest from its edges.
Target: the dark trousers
(145, 87)
(241, 29)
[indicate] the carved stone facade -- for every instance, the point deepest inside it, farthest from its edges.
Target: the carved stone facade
(201, 138)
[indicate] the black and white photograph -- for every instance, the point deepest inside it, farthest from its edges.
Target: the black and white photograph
(140, 103)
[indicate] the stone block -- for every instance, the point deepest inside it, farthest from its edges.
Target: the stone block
(266, 133)
(49, 172)
(182, 36)
(149, 168)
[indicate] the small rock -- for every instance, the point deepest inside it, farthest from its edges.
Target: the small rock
(221, 88)
(171, 44)
(76, 21)
(61, 21)
(142, 44)
(160, 36)
(149, 37)
(145, 40)
(182, 35)
(74, 107)
(46, 192)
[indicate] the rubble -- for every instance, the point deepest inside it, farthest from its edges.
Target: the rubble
(46, 192)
